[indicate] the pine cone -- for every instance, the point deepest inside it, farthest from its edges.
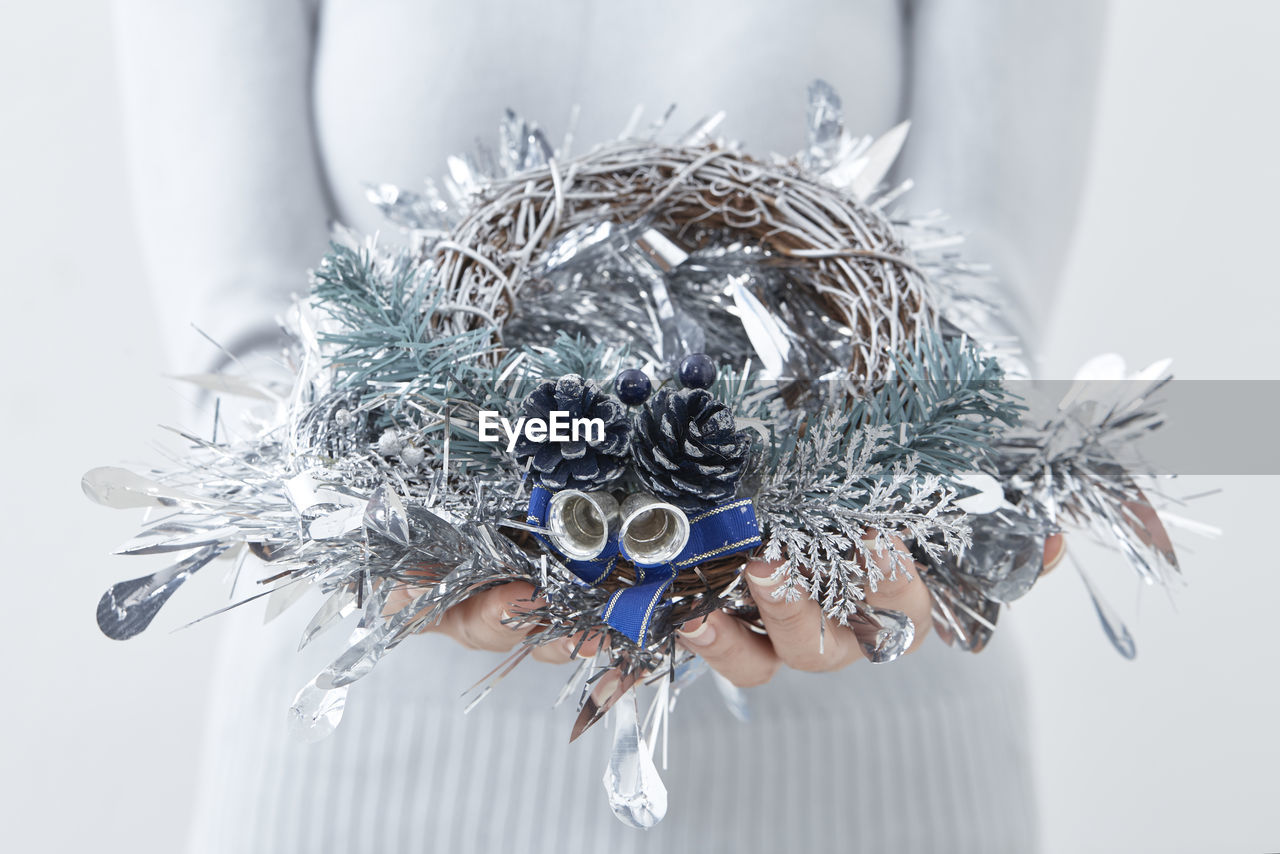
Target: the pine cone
(686, 449)
(583, 464)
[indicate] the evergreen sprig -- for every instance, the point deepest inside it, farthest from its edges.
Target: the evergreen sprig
(573, 354)
(384, 307)
(947, 401)
(838, 486)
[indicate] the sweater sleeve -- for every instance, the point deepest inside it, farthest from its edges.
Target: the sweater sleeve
(1001, 97)
(228, 190)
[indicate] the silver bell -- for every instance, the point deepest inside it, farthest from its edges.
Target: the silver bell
(653, 531)
(582, 523)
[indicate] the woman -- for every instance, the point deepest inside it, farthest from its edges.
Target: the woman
(255, 124)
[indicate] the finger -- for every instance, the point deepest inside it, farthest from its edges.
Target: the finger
(734, 651)
(1055, 549)
(901, 589)
(580, 645)
(796, 629)
(554, 652)
(486, 620)
(402, 595)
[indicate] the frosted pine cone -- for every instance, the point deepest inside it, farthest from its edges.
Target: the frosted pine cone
(686, 449)
(592, 460)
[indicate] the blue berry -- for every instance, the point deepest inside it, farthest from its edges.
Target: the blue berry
(633, 387)
(697, 371)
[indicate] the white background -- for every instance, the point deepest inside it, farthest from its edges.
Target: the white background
(1175, 255)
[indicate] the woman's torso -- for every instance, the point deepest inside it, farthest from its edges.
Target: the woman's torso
(401, 85)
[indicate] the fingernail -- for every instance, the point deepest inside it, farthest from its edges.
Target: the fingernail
(571, 644)
(703, 635)
(765, 580)
(1057, 559)
(506, 619)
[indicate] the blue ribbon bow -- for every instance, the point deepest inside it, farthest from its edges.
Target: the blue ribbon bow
(725, 529)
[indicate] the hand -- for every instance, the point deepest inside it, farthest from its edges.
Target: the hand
(746, 658)
(486, 621)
